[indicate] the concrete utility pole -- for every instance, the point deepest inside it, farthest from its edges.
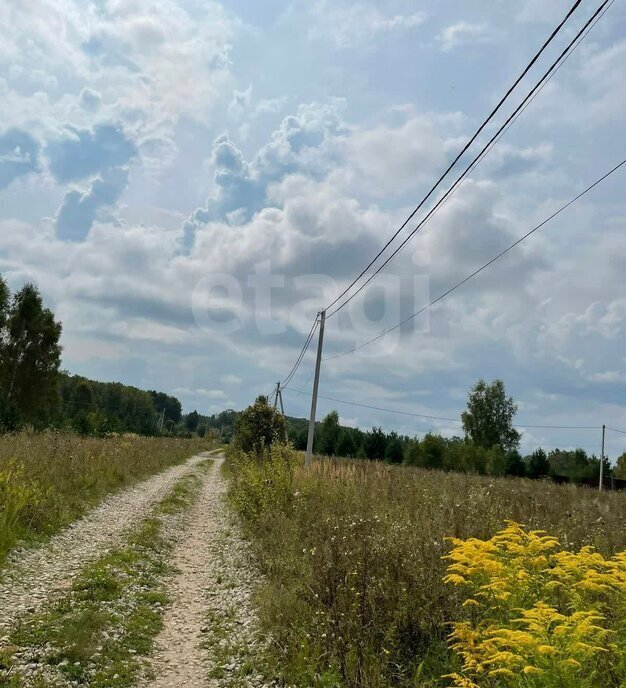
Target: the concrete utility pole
(161, 422)
(279, 397)
(602, 459)
(316, 384)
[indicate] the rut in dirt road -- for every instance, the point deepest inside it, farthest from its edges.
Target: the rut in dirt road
(34, 576)
(210, 625)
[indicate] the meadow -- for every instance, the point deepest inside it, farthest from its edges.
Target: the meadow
(357, 592)
(49, 479)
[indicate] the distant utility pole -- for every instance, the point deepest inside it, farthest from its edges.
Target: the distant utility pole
(316, 384)
(278, 396)
(161, 422)
(602, 459)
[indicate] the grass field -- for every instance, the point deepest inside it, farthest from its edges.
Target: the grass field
(49, 479)
(352, 555)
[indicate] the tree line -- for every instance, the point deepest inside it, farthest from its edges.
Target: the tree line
(490, 445)
(35, 392)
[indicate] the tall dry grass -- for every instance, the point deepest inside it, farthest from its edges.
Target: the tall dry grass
(49, 479)
(352, 556)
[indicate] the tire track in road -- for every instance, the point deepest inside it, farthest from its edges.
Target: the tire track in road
(210, 635)
(35, 575)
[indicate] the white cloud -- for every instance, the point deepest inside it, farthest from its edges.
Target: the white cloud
(231, 379)
(464, 33)
(351, 24)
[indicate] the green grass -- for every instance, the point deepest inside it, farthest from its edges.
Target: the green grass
(48, 480)
(99, 632)
(351, 554)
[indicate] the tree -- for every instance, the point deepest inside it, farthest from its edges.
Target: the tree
(258, 427)
(620, 467)
(191, 421)
(432, 449)
(394, 452)
(30, 354)
(328, 434)
(375, 444)
(573, 465)
(514, 464)
(488, 421)
(413, 453)
(538, 464)
(346, 446)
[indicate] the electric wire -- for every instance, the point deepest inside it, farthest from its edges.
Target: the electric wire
(296, 365)
(622, 432)
(483, 267)
(466, 147)
(453, 420)
(572, 45)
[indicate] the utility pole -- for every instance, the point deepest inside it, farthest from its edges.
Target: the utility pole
(278, 396)
(316, 384)
(161, 421)
(602, 459)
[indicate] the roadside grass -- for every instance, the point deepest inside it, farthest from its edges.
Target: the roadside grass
(50, 479)
(351, 558)
(99, 633)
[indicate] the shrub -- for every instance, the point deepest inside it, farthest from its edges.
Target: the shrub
(258, 427)
(263, 484)
(537, 615)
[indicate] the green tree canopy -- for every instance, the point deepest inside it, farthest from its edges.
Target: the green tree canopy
(488, 421)
(258, 427)
(30, 354)
(538, 465)
(328, 435)
(620, 467)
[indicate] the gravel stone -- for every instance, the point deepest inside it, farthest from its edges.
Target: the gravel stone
(35, 575)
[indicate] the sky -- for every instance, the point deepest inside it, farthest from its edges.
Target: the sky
(189, 182)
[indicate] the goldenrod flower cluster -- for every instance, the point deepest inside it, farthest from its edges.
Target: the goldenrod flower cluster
(537, 615)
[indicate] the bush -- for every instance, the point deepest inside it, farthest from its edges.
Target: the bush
(537, 616)
(263, 484)
(258, 427)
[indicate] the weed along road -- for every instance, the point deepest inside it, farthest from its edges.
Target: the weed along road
(161, 561)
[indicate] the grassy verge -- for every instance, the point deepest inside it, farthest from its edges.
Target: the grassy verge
(48, 480)
(351, 554)
(100, 631)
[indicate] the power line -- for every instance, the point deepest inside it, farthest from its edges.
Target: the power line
(518, 110)
(622, 432)
(302, 353)
(464, 149)
(483, 267)
(453, 420)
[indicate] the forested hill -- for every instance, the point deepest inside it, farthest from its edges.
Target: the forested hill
(101, 407)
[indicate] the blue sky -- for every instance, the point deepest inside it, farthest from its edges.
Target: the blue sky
(148, 153)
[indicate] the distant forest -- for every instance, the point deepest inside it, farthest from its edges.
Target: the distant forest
(35, 393)
(436, 452)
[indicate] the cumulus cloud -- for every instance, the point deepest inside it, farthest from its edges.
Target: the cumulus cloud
(90, 100)
(19, 155)
(80, 209)
(82, 153)
(304, 143)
